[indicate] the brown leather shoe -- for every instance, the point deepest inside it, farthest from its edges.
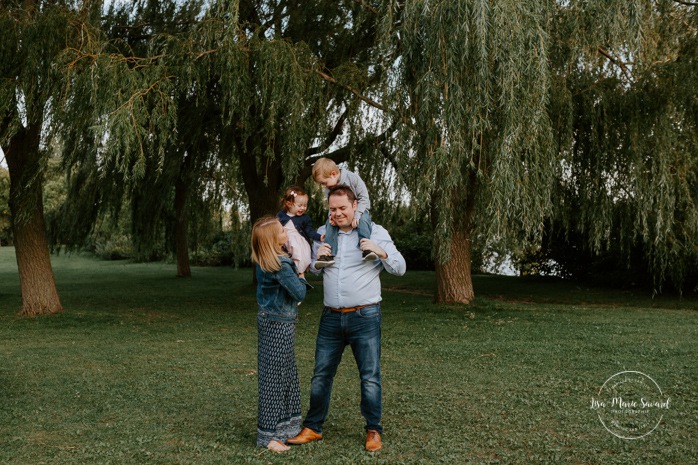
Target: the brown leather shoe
(305, 436)
(373, 441)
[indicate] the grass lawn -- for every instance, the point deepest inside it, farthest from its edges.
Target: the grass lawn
(146, 368)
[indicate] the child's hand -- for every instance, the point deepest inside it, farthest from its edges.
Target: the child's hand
(355, 223)
(332, 222)
(322, 238)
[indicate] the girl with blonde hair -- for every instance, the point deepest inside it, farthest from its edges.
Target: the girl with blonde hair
(279, 290)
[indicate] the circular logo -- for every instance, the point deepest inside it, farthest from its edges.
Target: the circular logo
(630, 405)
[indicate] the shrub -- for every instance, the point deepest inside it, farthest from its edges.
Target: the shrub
(117, 247)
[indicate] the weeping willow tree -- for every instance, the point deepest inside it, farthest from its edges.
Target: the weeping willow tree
(503, 102)
(626, 119)
(293, 91)
(34, 35)
(472, 84)
(235, 94)
(129, 138)
(142, 128)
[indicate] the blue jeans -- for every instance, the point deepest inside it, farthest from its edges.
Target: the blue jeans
(361, 330)
(364, 230)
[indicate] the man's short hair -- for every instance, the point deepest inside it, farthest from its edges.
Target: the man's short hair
(342, 189)
(323, 167)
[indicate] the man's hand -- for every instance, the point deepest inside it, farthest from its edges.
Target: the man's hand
(368, 244)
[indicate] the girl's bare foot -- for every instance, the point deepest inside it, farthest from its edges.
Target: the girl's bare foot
(277, 446)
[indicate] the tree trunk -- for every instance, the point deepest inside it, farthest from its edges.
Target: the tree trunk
(454, 280)
(39, 294)
(263, 196)
(182, 230)
(262, 183)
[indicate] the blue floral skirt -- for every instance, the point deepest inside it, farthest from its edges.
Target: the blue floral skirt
(279, 406)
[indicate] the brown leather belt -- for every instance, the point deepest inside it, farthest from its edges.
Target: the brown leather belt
(350, 309)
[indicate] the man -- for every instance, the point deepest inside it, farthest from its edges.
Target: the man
(352, 316)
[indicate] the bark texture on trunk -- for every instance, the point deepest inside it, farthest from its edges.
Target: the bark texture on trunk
(454, 279)
(38, 286)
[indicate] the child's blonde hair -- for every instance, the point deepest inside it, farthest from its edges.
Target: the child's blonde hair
(324, 167)
(290, 196)
(265, 244)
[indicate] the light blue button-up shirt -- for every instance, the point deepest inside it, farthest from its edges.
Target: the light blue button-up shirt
(351, 281)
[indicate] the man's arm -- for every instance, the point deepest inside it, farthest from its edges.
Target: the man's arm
(382, 244)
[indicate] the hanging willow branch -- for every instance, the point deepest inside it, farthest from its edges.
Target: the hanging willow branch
(368, 100)
(617, 62)
(368, 7)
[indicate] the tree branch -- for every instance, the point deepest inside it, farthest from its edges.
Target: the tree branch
(207, 52)
(330, 138)
(368, 100)
(686, 3)
(616, 61)
(390, 157)
(140, 94)
(371, 102)
(369, 7)
(342, 154)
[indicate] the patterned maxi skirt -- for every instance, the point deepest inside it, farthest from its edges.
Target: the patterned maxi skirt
(279, 407)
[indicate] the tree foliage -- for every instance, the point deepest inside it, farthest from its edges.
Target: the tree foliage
(35, 35)
(508, 122)
(626, 116)
(528, 110)
(212, 97)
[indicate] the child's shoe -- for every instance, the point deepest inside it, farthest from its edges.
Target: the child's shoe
(369, 255)
(324, 261)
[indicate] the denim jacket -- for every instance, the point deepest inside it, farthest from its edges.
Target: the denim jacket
(278, 293)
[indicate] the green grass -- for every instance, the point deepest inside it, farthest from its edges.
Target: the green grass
(146, 368)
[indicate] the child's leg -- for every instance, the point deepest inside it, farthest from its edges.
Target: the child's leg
(302, 256)
(331, 234)
(364, 231)
(364, 228)
(331, 237)
(295, 245)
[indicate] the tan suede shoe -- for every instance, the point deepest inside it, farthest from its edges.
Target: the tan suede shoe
(305, 436)
(373, 441)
